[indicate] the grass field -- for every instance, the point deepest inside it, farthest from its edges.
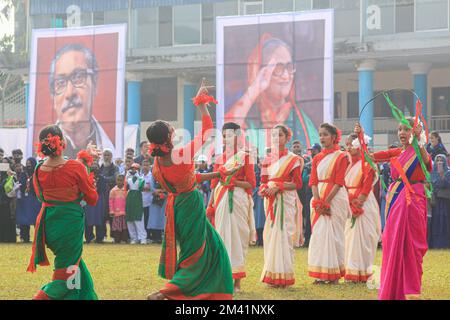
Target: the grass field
(130, 272)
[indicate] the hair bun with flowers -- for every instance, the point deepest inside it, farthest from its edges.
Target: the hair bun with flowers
(289, 135)
(53, 145)
(154, 147)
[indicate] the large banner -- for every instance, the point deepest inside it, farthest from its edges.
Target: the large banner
(77, 82)
(276, 68)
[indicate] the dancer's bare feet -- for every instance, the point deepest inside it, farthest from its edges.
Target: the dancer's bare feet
(156, 296)
(317, 281)
(334, 282)
(237, 285)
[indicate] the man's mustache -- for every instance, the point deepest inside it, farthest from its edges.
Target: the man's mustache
(72, 103)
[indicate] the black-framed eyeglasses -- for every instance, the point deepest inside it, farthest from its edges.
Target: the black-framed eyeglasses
(78, 78)
(281, 67)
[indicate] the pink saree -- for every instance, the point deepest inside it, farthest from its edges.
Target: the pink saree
(405, 235)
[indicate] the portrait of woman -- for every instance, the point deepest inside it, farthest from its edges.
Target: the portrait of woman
(276, 71)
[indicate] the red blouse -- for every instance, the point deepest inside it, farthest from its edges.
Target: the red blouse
(338, 173)
(176, 173)
(73, 176)
(294, 176)
(246, 173)
(366, 183)
(385, 156)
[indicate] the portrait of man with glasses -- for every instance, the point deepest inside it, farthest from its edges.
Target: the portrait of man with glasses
(73, 82)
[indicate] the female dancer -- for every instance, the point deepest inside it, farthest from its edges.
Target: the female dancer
(405, 234)
(363, 230)
(232, 202)
(281, 176)
(203, 269)
(329, 208)
(60, 185)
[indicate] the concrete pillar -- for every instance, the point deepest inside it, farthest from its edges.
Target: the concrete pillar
(420, 71)
(134, 85)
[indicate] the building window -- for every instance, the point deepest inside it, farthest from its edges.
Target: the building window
(146, 27)
(302, 5)
(352, 105)
(338, 105)
(321, 4)
(208, 25)
(187, 24)
(431, 15)
(441, 101)
(159, 99)
(278, 6)
(251, 7)
(209, 13)
(347, 15)
(165, 26)
(119, 16)
(41, 21)
(99, 18)
(404, 16)
(404, 100)
(226, 8)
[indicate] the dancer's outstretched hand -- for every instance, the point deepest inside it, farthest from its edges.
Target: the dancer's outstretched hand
(91, 148)
(230, 172)
(203, 88)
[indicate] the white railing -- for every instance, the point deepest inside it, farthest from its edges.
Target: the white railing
(440, 123)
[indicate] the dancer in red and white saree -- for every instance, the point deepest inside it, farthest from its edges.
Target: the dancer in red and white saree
(280, 178)
(231, 203)
(363, 231)
(330, 208)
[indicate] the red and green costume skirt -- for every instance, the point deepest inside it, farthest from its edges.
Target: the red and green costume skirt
(60, 227)
(203, 268)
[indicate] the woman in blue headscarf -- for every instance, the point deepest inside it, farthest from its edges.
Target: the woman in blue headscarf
(28, 206)
(440, 217)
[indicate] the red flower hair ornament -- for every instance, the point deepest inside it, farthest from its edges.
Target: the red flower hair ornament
(154, 146)
(54, 143)
(289, 135)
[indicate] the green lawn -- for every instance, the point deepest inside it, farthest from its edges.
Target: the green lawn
(130, 272)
